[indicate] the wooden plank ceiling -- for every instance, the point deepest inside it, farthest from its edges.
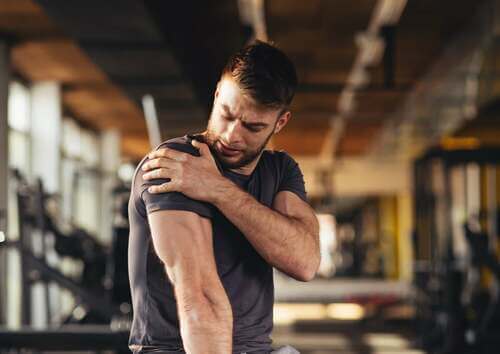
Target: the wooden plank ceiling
(320, 37)
(109, 54)
(42, 51)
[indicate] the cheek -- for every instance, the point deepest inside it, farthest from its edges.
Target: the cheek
(255, 141)
(216, 125)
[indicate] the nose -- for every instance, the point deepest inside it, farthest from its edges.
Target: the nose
(232, 134)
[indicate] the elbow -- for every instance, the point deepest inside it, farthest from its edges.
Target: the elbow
(308, 270)
(304, 276)
(310, 267)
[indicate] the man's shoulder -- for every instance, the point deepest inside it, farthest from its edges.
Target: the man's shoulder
(279, 157)
(181, 143)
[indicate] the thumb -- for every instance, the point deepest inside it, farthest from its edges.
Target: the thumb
(204, 150)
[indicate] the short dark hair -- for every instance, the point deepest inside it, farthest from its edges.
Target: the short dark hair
(265, 73)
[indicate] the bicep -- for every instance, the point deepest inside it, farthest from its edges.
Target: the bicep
(291, 205)
(183, 242)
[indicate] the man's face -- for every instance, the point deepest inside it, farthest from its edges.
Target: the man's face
(238, 129)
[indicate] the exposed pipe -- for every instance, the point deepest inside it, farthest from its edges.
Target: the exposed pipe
(371, 49)
(252, 13)
(152, 124)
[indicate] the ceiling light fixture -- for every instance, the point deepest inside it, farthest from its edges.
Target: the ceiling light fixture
(252, 14)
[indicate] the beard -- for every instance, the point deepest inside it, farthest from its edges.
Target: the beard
(248, 155)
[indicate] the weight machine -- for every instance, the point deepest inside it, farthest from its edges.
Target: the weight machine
(101, 291)
(456, 241)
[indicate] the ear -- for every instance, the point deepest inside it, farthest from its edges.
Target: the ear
(282, 120)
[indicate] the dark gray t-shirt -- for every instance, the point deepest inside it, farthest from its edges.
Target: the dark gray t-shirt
(246, 277)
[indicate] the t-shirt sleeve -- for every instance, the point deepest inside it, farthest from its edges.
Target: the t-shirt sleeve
(170, 200)
(292, 178)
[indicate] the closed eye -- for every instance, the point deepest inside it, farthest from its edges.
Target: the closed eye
(254, 129)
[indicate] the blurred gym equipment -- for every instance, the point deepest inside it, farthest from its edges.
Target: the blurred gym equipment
(101, 290)
(456, 248)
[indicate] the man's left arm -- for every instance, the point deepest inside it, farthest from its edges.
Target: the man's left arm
(286, 236)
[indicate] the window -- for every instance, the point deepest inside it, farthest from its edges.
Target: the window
(80, 176)
(18, 114)
(18, 118)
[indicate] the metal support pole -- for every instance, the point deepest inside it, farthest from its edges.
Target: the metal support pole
(46, 128)
(4, 86)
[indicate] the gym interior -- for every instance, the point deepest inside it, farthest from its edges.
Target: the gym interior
(395, 126)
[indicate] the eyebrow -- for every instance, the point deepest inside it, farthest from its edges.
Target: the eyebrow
(248, 124)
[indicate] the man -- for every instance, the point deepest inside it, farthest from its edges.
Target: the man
(216, 212)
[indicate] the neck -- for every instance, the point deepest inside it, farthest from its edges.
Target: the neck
(249, 168)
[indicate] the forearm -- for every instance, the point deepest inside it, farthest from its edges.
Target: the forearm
(284, 242)
(206, 322)
(204, 333)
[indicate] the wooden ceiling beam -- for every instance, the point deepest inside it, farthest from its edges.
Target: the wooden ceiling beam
(25, 19)
(303, 142)
(58, 60)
